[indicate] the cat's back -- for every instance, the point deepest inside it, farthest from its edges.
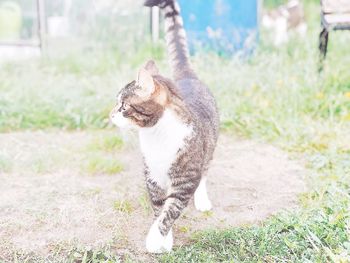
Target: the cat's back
(201, 103)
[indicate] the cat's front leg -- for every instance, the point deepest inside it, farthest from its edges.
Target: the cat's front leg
(156, 194)
(160, 237)
(156, 242)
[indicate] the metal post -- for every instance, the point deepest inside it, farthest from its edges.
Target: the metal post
(41, 24)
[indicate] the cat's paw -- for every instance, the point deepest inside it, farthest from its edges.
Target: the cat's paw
(201, 200)
(202, 204)
(156, 242)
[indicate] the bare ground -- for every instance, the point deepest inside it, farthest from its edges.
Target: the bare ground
(49, 204)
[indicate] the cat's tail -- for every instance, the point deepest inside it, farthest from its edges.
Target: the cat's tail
(175, 38)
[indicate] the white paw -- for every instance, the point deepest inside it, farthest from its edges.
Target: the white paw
(201, 200)
(156, 242)
(202, 203)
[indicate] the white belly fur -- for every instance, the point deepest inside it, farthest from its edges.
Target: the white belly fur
(160, 145)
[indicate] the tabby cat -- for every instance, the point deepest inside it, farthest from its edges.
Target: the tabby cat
(177, 122)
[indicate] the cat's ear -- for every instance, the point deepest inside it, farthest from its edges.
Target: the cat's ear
(151, 67)
(145, 81)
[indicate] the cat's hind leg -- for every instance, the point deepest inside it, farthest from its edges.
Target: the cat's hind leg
(201, 199)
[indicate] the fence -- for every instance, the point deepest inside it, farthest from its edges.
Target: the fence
(61, 25)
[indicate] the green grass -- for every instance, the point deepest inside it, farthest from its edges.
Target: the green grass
(275, 96)
(100, 154)
(97, 164)
(110, 143)
(77, 91)
(144, 202)
(85, 255)
(123, 206)
(291, 238)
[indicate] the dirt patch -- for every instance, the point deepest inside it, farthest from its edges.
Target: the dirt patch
(62, 206)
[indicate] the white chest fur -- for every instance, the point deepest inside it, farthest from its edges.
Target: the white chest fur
(160, 145)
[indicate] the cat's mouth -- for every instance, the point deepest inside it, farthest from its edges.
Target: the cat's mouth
(116, 117)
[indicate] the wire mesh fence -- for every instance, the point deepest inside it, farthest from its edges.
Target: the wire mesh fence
(73, 24)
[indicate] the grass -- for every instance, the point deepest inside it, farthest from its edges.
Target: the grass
(89, 152)
(299, 237)
(84, 106)
(144, 202)
(102, 165)
(100, 154)
(110, 143)
(123, 206)
(275, 96)
(85, 255)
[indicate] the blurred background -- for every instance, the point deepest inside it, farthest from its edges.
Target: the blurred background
(74, 53)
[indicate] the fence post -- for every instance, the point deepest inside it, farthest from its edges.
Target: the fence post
(41, 25)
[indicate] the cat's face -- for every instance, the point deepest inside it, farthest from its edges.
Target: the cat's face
(140, 103)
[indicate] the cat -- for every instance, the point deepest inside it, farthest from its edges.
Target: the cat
(178, 125)
(284, 19)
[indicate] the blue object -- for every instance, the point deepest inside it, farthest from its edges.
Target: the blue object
(226, 26)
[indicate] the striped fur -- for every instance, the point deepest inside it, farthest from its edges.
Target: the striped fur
(178, 126)
(189, 168)
(175, 36)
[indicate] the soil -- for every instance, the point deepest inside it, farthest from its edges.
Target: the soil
(61, 206)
